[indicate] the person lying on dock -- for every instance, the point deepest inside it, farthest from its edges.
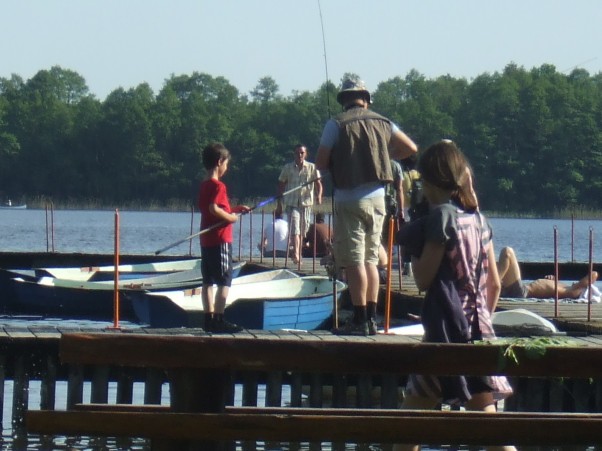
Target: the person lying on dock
(514, 287)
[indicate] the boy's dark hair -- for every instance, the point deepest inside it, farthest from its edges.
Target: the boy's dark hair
(214, 152)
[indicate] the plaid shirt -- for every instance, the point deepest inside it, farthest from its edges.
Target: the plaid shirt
(293, 177)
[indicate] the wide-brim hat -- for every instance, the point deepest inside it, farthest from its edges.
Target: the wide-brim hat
(353, 85)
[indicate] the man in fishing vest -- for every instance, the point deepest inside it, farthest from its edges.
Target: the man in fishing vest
(356, 147)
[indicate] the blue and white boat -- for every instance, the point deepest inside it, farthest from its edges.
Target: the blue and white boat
(285, 301)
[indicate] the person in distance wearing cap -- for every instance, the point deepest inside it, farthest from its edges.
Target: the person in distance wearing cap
(356, 147)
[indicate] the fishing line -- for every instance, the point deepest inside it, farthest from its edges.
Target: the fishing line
(335, 309)
(223, 223)
(325, 61)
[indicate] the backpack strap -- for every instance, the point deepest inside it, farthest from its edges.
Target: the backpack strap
(475, 327)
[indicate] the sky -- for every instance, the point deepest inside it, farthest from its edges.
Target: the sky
(123, 43)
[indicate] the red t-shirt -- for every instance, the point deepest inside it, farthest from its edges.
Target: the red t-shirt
(213, 191)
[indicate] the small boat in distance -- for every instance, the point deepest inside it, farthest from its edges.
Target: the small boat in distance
(8, 205)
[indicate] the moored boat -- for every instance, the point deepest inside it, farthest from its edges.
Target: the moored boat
(521, 322)
(94, 299)
(305, 303)
(276, 299)
(129, 271)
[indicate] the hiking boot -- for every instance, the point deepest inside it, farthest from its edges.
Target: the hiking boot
(353, 328)
(372, 327)
(223, 327)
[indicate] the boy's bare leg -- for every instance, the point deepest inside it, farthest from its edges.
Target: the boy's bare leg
(221, 295)
(207, 297)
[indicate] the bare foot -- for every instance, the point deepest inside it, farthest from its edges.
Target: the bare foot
(584, 282)
(550, 277)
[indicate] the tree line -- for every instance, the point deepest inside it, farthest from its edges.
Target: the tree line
(534, 137)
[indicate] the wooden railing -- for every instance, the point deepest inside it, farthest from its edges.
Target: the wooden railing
(201, 371)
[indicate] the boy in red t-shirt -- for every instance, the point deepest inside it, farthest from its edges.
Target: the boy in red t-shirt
(216, 243)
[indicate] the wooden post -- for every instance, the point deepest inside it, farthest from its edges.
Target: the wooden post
(198, 390)
(48, 383)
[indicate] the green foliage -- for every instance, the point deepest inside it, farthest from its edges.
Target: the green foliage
(534, 137)
(534, 347)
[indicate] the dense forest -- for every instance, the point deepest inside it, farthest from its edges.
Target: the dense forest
(534, 137)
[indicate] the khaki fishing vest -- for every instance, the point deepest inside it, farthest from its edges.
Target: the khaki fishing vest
(361, 154)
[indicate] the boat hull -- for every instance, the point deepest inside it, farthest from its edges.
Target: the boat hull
(286, 303)
(310, 309)
(63, 302)
(68, 298)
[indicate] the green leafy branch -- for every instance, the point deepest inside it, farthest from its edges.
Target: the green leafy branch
(535, 347)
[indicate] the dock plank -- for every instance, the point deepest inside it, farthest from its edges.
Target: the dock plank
(330, 354)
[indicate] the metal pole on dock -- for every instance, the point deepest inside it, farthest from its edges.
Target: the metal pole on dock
(288, 243)
(50, 228)
(239, 238)
(191, 229)
(250, 237)
(47, 240)
(52, 224)
(274, 240)
(301, 238)
(314, 246)
(555, 272)
(116, 278)
(261, 247)
(589, 276)
(389, 269)
(399, 257)
(572, 237)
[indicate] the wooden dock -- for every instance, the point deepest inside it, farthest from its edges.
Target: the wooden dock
(31, 355)
(347, 388)
(406, 300)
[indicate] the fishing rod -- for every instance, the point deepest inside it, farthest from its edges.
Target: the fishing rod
(335, 308)
(223, 223)
(325, 61)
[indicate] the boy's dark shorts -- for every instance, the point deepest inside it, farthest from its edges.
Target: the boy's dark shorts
(216, 265)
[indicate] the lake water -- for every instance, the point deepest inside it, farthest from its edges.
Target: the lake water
(67, 231)
(146, 232)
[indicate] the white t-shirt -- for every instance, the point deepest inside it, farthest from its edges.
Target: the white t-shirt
(280, 230)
